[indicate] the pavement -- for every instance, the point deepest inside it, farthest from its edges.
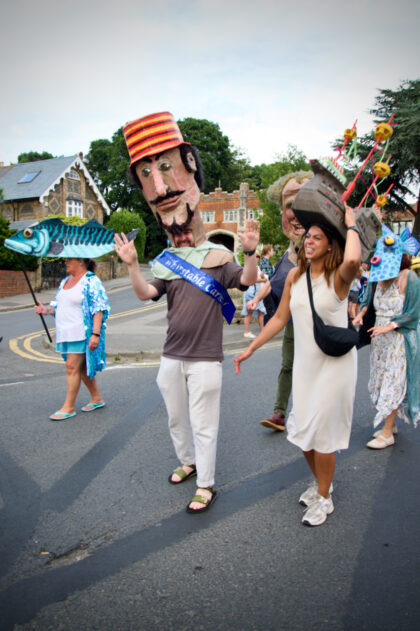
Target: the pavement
(136, 335)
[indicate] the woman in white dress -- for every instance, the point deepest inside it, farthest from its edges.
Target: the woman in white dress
(323, 386)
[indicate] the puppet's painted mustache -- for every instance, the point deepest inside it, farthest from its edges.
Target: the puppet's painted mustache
(168, 195)
(176, 228)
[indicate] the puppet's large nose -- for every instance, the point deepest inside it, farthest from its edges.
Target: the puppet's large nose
(158, 182)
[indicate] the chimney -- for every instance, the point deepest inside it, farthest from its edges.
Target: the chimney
(243, 204)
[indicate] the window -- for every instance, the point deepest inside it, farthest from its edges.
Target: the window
(28, 177)
(74, 208)
(74, 174)
(208, 216)
(230, 216)
(399, 226)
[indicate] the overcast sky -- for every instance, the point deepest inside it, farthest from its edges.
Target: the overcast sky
(269, 72)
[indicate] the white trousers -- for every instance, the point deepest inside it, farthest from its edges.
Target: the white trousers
(191, 391)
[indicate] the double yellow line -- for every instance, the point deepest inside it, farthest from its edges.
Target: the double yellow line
(22, 345)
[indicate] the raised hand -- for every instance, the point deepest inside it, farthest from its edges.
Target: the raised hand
(125, 249)
(349, 217)
(251, 237)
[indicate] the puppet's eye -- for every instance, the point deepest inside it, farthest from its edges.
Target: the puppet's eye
(389, 240)
(28, 233)
(375, 260)
(165, 166)
(146, 171)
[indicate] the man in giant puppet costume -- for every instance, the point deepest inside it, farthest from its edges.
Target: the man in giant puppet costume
(194, 274)
(283, 191)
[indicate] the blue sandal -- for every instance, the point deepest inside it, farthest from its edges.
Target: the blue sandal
(62, 416)
(90, 407)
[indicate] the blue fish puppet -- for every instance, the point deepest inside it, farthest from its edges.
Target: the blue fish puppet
(386, 261)
(53, 238)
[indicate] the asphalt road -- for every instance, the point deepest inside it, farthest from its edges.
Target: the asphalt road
(93, 536)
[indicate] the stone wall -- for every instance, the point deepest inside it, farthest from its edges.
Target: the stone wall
(112, 268)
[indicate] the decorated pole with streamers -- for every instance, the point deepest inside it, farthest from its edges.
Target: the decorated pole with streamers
(383, 132)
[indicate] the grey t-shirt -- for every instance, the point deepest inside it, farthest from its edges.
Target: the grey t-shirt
(195, 320)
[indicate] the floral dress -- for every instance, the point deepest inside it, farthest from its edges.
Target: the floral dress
(388, 366)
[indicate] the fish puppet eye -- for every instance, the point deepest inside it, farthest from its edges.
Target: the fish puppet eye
(389, 241)
(28, 233)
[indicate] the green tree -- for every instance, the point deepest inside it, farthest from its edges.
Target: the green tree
(264, 175)
(404, 147)
(8, 259)
(125, 221)
(32, 156)
(216, 153)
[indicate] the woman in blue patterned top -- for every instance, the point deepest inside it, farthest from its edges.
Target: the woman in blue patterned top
(80, 308)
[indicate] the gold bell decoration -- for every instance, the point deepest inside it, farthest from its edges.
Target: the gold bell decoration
(381, 169)
(383, 131)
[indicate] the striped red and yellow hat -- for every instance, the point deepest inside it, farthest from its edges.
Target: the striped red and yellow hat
(152, 134)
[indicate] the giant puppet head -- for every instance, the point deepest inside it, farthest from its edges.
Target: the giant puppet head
(283, 192)
(320, 201)
(386, 261)
(168, 171)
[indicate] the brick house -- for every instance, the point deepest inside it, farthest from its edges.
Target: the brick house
(224, 214)
(45, 188)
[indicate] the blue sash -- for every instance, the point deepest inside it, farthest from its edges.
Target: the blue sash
(199, 279)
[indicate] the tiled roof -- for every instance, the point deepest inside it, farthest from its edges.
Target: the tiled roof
(47, 172)
(4, 170)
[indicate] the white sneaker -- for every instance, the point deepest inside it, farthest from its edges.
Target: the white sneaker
(250, 335)
(318, 511)
(311, 493)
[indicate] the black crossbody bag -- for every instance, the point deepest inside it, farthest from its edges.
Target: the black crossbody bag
(332, 340)
(368, 322)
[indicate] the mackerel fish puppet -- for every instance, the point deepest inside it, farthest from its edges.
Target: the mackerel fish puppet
(53, 238)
